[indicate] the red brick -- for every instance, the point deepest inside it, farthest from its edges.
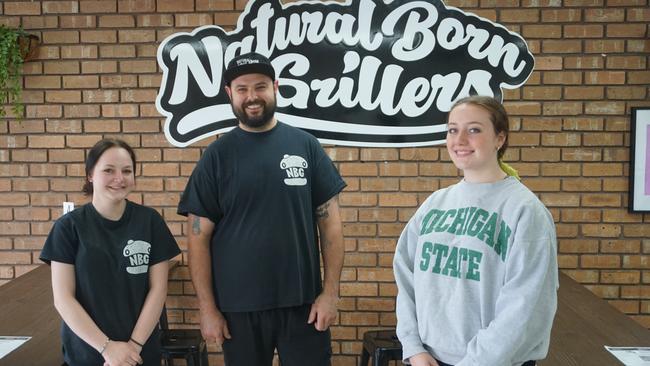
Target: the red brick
(627, 92)
(545, 31)
(600, 261)
(46, 141)
(564, 139)
(139, 6)
(60, 7)
(583, 276)
(418, 184)
(636, 261)
(119, 110)
(583, 31)
(138, 66)
(561, 46)
(561, 15)
(63, 96)
(42, 82)
(68, 155)
(620, 215)
(59, 37)
(98, 6)
(192, 20)
(626, 30)
(578, 246)
(584, 92)
(79, 52)
(638, 15)
(567, 261)
(63, 126)
(80, 82)
(620, 277)
(155, 20)
(29, 155)
(22, 8)
(604, 15)
(202, 5)
(560, 199)
(136, 36)
(358, 289)
(638, 45)
(639, 77)
(604, 46)
(635, 292)
(78, 21)
(14, 257)
(117, 51)
(358, 169)
(583, 124)
(584, 62)
(40, 21)
(81, 111)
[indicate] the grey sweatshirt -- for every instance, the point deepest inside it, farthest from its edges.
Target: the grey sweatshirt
(476, 271)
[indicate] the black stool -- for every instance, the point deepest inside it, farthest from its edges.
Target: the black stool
(383, 345)
(182, 343)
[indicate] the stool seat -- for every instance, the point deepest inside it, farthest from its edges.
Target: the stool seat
(382, 345)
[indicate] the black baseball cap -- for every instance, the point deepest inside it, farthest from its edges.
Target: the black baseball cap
(248, 63)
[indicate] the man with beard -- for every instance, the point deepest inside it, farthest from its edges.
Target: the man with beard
(262, 206)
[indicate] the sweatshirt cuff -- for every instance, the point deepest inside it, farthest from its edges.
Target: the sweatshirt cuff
(411, 346)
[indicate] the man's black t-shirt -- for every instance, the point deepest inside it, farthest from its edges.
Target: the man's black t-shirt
(261, 190)
(111, 260)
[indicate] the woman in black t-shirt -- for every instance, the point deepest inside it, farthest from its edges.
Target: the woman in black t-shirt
(109, 261)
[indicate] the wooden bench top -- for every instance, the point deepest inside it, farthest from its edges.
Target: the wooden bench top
(583, 324)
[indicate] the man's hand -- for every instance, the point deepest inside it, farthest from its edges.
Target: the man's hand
(214, 327)
(423, 359)
(323, 311)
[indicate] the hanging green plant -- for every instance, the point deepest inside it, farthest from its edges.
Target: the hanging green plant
(15, 45)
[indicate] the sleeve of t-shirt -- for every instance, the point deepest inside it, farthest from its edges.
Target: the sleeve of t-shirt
(327, 181)
(62, 243)
(201, 195)
(164, 246)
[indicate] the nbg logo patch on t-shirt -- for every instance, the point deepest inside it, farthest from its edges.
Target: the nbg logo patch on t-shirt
(294, 166)
(138, 253)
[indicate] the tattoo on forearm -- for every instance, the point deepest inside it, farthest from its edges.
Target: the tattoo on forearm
(322, 211)
(196, 226)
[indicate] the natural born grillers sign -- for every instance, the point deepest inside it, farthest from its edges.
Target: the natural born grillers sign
(361, 73)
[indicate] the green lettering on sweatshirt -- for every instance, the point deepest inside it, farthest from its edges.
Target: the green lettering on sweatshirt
(486, 226)
(441, 225)
(427, 247)
(454, 260)
(457, 226)
(440, 251)
(489, 230)
(473, 265)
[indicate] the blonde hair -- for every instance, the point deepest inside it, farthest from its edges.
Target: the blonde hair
(500, 122)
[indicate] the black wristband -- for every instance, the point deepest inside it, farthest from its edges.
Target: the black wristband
(136, 342)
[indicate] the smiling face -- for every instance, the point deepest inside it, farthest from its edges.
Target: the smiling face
(113, 176)
(473, 144)
(253, 101)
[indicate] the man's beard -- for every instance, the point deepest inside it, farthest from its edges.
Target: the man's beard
(257, 121)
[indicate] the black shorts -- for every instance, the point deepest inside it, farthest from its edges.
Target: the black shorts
(256, 335)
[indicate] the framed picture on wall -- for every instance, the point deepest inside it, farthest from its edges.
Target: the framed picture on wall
(640, 160)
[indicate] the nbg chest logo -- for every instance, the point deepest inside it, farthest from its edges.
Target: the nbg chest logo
(294, 166)
(138, 253)
(381, 73)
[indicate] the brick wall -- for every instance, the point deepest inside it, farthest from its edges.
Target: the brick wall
(95, 75)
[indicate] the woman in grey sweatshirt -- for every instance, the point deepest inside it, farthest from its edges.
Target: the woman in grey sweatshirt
(476, 266)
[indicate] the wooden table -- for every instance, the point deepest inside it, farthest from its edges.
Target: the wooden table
(27, 309)
(584, 323)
